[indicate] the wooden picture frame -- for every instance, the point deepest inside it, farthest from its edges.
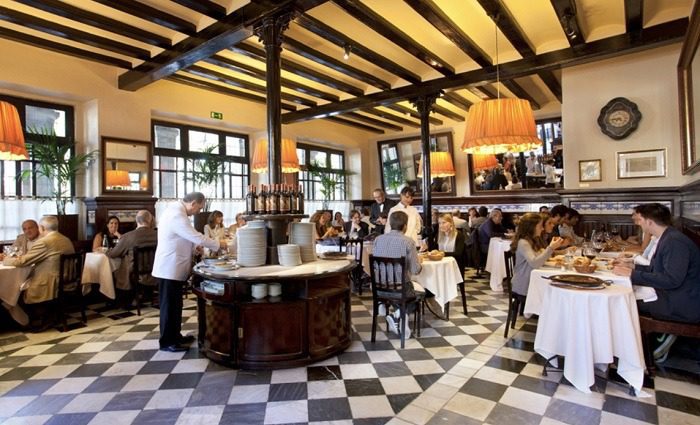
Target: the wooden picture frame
(132, 157)
(589, 170)
(641, 164)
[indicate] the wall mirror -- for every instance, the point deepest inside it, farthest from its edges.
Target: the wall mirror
(127, 166)
(399, 164)
(522, 170)
(689, 94)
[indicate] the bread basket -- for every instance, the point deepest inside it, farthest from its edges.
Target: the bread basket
(585, 268)
(436, 256)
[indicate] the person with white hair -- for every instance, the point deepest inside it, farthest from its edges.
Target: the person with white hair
(142, 235)
(458, 221)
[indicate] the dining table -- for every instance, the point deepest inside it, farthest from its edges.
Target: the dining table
(98, 268)
(588, 327)
(13, 280)
(441, 278)
(495, 262)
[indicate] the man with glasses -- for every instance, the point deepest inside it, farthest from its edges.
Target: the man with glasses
(415, 223)
(381, 205)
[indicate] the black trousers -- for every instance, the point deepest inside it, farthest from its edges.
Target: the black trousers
(170, 297)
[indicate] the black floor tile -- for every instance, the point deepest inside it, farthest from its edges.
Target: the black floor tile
(132, 400)
(329, 409)
(138, 356)
(399, 401)
(179, 381)
(363, 387)
(75, 358)
(157, 417)
(631, 409)
(323, 373)
(415, 354)
(62, 348)
(21, 373)
(107, 384)
(540, 386)
(156, 367)
(353, 357)
(250, 377)
(250, 414)
(446, 417)
(678, 402)
(71, 419)
(288, 391)
(503, 414)
(425, 381)
(484, 389)
(504, 363)
(93, 369)
(31, 387)
(572, 413)
(388, 369)
(46, 405)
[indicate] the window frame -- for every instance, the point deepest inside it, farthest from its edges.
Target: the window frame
(309, 183)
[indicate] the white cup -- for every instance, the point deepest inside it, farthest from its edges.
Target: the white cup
(259, 290)
(274, 289)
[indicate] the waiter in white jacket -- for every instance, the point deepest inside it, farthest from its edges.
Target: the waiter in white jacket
(177, 240)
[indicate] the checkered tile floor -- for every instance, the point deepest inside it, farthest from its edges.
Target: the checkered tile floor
(457, 372)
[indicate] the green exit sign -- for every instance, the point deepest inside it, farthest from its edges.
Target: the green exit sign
(216, 115)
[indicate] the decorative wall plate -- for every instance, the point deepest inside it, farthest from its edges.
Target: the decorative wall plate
(619, 118)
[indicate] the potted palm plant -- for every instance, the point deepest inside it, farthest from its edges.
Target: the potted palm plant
(328, 178)
(206, 171)
(54, 162)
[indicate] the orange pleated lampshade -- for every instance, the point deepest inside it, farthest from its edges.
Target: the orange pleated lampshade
(482, 162)
(441, 165)
(118, 178)
(11, 135)
(290, 160)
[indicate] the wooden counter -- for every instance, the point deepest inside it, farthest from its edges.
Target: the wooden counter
(309, 322)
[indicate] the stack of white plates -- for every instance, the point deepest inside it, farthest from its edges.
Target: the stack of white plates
(252, 247)
(256, 224)
(302, 234)
(289, 255)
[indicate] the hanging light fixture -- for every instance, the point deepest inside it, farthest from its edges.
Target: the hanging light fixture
(441, 165)
(346, 51)
(290, 160)
(483, 162)
(500, 125)
(118, 178)
(11, 135)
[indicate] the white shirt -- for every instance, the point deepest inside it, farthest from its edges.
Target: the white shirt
(459, 223)
(414, 225)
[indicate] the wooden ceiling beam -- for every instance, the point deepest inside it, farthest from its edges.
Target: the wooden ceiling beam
(520, 93)
(333, 63)
(72, 34)
(391, 117)
(656, 36)
(65, 49)
(413, 113)
(297, 69)
(373, 121)
(566, 13)
(634, 15)
(65, 10)
(448, 113)
(204, 7)
(356, 124)
(376, 22)
(457, 100)
(151, 14)
(326, 32)
(252, 71)
(439, 19)
(193, 82)
(550, 80)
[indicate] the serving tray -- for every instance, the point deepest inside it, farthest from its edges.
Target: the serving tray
(577, 279)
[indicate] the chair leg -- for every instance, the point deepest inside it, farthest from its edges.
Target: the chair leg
(82, 306)
(516, 309)
(510, 312)
(62, 314)
(648, 353)
(402, 321)
(464, 297)
(137, 299)
(375, 313)
(446, 309)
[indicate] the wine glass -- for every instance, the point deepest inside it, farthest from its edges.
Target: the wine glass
(590, 252)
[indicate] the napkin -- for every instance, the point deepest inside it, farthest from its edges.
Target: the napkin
(644, 293)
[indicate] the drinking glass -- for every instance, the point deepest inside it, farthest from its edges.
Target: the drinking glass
(590, 252)
(7, 250)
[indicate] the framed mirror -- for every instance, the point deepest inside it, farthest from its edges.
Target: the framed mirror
(127, 166)
(400, 162)
(542, 169)
(689, 94)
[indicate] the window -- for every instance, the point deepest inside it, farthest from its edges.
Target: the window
(177, 150)
(36, 115)
(329, 158)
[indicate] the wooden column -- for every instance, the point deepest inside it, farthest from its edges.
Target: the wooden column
(425, 104)
(270, 31)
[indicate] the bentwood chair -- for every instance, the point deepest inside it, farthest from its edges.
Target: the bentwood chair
(354, 247)
(140, 277)
(70, 285)
(515, 301)
(392, 286)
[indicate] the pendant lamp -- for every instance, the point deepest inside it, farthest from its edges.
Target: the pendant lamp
(117, 178)
(11, 134)
(441, 165)
(483, 162)
(290, 160)
(500, 125)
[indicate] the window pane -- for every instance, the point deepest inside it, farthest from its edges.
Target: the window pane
(46, 118)
(168, 185)
(301, 154)
(200, 140)
(320, 157)
(235, 146)
(44, 186)
(26, 183)
(167, 137)
(9, 181)
(336, 161)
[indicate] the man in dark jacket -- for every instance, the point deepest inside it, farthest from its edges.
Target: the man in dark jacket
(381, 205)
(355, 228)
(143, 235)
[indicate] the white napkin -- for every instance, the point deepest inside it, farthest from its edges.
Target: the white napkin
(645, 293)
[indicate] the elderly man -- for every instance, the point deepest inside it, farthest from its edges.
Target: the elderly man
(459, 222)
(30, 234)
(491, 228)
(177, 240)
(415, 223)
(143, 235)
(381, 205)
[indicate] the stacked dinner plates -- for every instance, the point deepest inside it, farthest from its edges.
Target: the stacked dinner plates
(302, 234)
(252, 248)
(255, 224)
(289, 255)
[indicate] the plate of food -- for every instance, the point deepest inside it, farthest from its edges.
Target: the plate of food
(222, 266)
(577, 286)
(577, 279)
(334, 255)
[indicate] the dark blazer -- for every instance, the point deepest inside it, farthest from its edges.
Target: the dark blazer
(459, 254)
(487, 231)
(674, 273)
(141, 236)
(375, 210)
(364, 229)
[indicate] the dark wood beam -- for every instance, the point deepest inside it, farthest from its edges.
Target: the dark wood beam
(652, 37)
(566, 13)
(382, 26)
(373, 121)
(193, 82)
(391, 117)
(457, 100)
(448, 113)
(72, 34)
(252, 71)
(439, 19)
(634, 15)
(339, 39)
(356, 124)
(98, 21)
(205, 7)
(550, 80)
(65, 49)
(236, 82)
(300, 70)
(413, 113)
(151, 14)
(520, 93)
(333, 63)
(224, 33)
(484, 92)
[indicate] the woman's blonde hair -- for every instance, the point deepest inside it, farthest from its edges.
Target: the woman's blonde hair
(526, 231)
(448, 217)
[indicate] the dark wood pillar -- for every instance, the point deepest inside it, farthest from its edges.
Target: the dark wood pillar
(425, 104)
(270, 31)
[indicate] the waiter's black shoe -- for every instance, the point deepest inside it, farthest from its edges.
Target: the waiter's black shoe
(186, 340)
(174, 348)
(435, 308)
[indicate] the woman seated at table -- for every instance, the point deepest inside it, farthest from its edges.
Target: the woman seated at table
(323, 227)
(549, 223)
(449, 240)
(214, 228)
(338, 220)
(240, 222)
(530, 251)
(110, 232)
(355, 228)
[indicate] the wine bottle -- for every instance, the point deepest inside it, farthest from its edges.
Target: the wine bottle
(250, 200)
(285, 204)
(274, 200)
(261, 202)
(300, 200)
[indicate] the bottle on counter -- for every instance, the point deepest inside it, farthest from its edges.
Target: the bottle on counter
(293, 201)
(274, 200)
(251, 200)
(261, 201)
(300, 200)
(285, 204)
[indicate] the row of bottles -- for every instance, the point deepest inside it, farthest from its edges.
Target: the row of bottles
(275, 199)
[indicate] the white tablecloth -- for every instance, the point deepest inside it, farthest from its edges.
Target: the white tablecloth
(440, 278)
(591, 327)
(98, 268)
(495, 263)
(366, 251)
(11, 282)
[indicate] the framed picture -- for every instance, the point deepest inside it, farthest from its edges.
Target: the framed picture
(589, 170)
(640, 164)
